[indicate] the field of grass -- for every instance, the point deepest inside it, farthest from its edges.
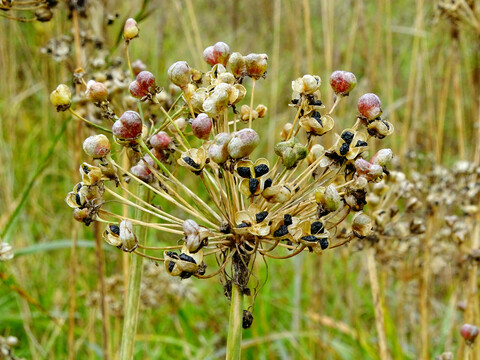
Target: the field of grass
(394, 297)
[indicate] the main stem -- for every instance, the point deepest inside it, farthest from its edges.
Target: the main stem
(133, 297)
(234, 340)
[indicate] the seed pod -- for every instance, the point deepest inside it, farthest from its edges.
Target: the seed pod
(96, 91)
(218, 151)
(342, 82)
(380, 128)
(61, 97)
(82, 215)
(256, 65)
(179, 74)
(469, 333)
(128, 127)
(184, 265)
(316, 152)
(180, 124)
(138, 66)
(307, 84)
(202, 126)
(328, 198)
(286, 130)
(277, 194)
(160, 140)
(218, 100)
(96, 146)
(237, 65)
(217, 54)
(43, 14)
(112, 235)
(127, 237)
(369, 106)
(383, 157)
(130, 30)
(261, 110)
(90, 174)
(243, 142)
(362, 225)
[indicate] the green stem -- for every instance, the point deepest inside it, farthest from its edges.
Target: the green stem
(133, 297)
(234, 339)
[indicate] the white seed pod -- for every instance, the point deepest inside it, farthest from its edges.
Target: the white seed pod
(6, 251)
(328, 198)
(277, 194)
(96, 146)
(218, 151)
(243, 142)
(127, 237)
(179, 74)
(383, 157)
(362, 225)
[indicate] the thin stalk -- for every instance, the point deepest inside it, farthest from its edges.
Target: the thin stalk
(133, 298)
(234, 339)
(377, 304)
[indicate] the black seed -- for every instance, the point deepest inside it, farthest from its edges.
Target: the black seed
(171, 265)
(244, 172)
(185, 275)
(247, 319)
(242, 225)
(190, 162)
(185, 257)
(361, 143)
(295, 101)
(316, 227)
(344, 149)
(386, 124)
(323, 243)
(281, 231)
(309, 238)
(315, 103)
(225, 228)
(247, 246)
(172, 254)
(115, 229)
(378, 118)
(261, 216)
(267, 183)
(260, 170)
(287, 220)
(78, 199)
(79, 186)
(347, 136)
(86, 170)
(253, 184)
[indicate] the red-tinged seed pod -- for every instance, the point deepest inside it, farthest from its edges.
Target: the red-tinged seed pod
(141, 171)
(369, 106)
(96, 146)
(343, 82)
(362, 166)
(130, 30)
(160, 141)
(201, 126)
(256, 65)
(469, 333)
(138, 66)
(136, 90)
(146, 80)
(128, 126)
(96, 91)
(179, 74)
(217, 54)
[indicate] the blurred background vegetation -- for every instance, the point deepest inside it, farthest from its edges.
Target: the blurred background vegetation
(422, 62)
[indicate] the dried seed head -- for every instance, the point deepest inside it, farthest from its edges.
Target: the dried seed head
(243, 142)
(160, 140)
(127, 237)
(96, 91)
(342, 82)
(362, 225)
(96, 146)
(217, 54)
(469, 333)
(237, 65)
(369, 106)
(256, 65)
(61, 97)
(130, 30)
(179, 74)
(202, 126)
